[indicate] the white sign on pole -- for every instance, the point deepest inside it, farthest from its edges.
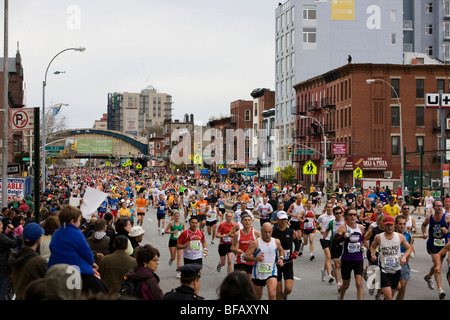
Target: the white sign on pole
(22, 119)
(432, 100)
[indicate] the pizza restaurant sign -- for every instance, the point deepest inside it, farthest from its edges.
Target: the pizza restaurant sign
(363, 162)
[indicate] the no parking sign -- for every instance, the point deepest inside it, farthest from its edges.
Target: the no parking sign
(22, 119)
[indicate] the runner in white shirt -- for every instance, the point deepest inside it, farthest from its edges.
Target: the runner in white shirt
(211, 220)
(429, 199)
(322, 224)
(264, 210)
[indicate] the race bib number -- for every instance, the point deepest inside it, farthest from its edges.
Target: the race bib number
(354, 247)
(195, 245)
(287, 254)
(391, 262)
(265, 268)
(439, 242)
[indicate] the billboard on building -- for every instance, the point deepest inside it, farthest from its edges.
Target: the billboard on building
(85, 146)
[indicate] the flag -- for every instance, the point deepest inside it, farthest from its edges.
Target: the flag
(56, 110)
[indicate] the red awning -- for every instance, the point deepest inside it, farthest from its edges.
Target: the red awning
(364, 162)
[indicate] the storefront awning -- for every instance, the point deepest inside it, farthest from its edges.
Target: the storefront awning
(374, 163)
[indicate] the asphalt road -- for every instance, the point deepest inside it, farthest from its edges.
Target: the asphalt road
(307, 283)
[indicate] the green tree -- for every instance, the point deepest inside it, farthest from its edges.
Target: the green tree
(289, 173)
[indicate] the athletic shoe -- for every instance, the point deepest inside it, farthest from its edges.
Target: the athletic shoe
(324, 274)
(371, 291)
(212, 242)
(219, 267)
(330, 279)
(178, 275)
(311, 257)
(429, 281)
(159, 230)
(339, 285)
(441, 295)
(170, 262)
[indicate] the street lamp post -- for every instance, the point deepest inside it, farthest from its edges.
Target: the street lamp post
(402, 164)
(44, 84)
(325, 171)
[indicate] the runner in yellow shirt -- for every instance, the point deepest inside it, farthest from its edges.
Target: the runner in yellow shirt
(391, 209)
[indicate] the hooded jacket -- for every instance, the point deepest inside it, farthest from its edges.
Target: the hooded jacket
(69, 246)
(149, 282)
(26, 265)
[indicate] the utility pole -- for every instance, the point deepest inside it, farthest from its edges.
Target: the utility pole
(5, 111)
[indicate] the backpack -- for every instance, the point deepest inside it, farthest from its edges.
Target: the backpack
(130, 288)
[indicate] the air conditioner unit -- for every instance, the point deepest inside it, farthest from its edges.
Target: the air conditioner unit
(388, 174)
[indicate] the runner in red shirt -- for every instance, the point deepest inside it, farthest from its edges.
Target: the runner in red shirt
(223, 233)
(241, 241)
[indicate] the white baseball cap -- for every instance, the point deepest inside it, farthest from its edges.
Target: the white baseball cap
(282, 215)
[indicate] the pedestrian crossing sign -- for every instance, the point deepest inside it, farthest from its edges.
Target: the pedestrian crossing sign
(309, 168)
(358, 173)
(197, 158)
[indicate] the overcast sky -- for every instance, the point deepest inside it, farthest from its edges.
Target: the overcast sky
(205, 53)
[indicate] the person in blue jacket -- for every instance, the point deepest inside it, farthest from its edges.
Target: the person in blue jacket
(69, 246)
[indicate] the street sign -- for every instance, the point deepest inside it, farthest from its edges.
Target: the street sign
(22, 119)
(304, 151)
(432, 100)
(277, 169)
(204, 171)
(197, 158)
(54, 148)
(139, 166)
(358, 173)
(223, 172)
(309, 168)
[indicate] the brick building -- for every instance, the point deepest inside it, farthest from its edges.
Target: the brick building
(364, 119)
(241, 112)
(16, 100)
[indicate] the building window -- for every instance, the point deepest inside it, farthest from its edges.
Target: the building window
(247, 115)
(395, 116)
(309, 13)
(419, 142)
(309, 35)
(429, 50)
(429, 7)
(440, 83)
(396, 88)
(393, 38)
(395, 145)
(428, 29)
(420, 93)
(420, 116)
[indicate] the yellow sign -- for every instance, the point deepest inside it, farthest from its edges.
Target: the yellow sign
(358, 173)
(343, 9)
(277, 169)
(309, 168)
(139, 166)
(221, 166)
(197, 158)
(108, 163)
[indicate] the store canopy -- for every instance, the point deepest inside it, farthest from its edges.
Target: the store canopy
(368, 163)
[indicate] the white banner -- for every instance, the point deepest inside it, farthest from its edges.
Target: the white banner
(91, 201)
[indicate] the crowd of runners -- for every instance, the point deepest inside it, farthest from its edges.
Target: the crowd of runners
(365, 235)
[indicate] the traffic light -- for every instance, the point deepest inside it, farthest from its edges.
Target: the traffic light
(290, 150)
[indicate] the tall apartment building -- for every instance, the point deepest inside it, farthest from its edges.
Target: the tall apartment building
(426, 28)
(313, 37)
(133, 113)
